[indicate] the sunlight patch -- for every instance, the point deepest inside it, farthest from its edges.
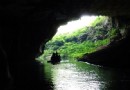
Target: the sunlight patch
(76, 24)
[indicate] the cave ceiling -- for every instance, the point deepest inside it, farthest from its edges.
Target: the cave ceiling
(63, 9)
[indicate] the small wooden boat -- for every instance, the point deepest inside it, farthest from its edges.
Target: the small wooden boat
(55, 58)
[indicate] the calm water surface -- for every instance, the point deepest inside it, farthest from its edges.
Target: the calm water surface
(84, 76)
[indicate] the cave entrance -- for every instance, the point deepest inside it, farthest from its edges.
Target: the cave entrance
(80, 37)
(72, 46)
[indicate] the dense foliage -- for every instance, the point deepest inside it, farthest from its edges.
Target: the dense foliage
(82, 41)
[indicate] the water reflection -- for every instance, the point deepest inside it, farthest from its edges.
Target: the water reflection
(82, 76)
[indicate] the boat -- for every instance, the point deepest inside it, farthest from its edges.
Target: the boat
(55, 58)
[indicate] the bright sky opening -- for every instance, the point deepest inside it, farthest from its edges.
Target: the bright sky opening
(76, 24)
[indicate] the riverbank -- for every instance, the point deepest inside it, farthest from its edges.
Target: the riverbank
(113, 55)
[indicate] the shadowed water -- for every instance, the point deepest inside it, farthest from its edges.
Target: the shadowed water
(83, 76)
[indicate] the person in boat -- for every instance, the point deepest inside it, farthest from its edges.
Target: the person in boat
(58, 58)
(55, 58)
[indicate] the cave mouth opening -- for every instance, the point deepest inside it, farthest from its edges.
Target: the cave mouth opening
(80, 37)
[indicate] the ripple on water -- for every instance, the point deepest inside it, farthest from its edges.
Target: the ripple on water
(67, 77)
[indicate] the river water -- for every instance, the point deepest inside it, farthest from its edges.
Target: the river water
(83, 76)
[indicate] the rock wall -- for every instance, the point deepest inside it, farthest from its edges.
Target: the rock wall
(116, 54)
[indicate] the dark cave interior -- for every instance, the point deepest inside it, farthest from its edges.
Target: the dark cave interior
(25, 25)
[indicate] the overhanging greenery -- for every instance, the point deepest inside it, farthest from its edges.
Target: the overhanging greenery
(82, 41)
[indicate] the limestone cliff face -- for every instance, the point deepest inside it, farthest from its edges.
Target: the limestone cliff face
(25, 25)
(116, 54)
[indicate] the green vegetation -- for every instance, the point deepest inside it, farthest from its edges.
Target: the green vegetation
(82, 41)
